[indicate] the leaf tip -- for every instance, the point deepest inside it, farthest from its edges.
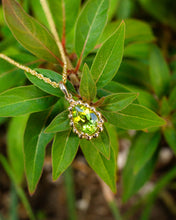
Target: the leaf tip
(55, 176)
(31, 190)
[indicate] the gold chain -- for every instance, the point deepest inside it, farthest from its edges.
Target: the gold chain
(56, 36)
(28, 70)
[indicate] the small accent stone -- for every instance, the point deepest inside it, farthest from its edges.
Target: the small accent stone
(84, 119)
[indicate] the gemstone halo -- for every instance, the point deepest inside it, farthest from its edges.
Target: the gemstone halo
(85, 120)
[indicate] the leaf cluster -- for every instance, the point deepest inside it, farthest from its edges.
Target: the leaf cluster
(39, 113)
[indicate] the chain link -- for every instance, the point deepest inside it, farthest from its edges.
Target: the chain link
(28, 70)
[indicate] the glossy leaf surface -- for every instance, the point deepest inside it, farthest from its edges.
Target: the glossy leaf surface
(134, 117)
(64, 150)
(15, 137)
(118, 101)
(106, 169)
(59, 123)
(31, 34)
(35, 142)
(90, 25)
(54, 77)
(23, 100)
(109, 57)
(87, 86)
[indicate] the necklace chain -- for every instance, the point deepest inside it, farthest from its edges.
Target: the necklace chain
(29, 70)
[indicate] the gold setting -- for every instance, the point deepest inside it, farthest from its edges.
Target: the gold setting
(75, 130)
(73, 103)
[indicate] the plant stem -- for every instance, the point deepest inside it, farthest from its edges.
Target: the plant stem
(64, 26)
(152, 196)
(56, 37)
(114, 210)
(18, 189)
(69, 184)
(13, 203)
(78, 64)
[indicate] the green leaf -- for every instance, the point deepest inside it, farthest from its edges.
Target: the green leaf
(134, 72)
(90, 25)
(164, 11)
(24, 100)
(170, 136)
(35, 142)
(64, 149)
(3, 120)
(118, 101)
(145, 142)
(112, 87)
(19, 190)
(59, 123)
(87, 87)
(15, 137)
(138, 50)
(55, 77)
(165, 107)
(173, 119)
(153, 195)
(172, 99)
(132, 181)
(31, 34)
(136, 31)
(38, 12)
(64, 13)
(113, 139)
(112, 8)
(145, 98)
(102, 143)
(125, 9)
(109, 57)
(106, 169)
(135, 117)
(159, 72)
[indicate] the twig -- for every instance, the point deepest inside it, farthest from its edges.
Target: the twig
(19, 190)
(70, 193)
(110, 199)
(56, 36)
(64, 25)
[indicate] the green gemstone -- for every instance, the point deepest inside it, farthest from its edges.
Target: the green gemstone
(84, 119)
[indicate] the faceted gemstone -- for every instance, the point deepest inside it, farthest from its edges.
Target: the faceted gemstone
(85, 120)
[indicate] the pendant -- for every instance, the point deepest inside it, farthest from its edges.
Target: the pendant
(86, 121)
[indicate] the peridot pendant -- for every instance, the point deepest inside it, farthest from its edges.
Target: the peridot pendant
(85, 120)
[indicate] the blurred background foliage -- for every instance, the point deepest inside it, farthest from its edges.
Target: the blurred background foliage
(146, 161)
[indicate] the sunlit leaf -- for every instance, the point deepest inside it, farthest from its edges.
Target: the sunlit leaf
(64, 149)
(90, 25)
(35, 142)
(31, 34)
(23, 100)
(134, 117)
(59, 123)
(109, 57)
(87, 87)
(15, 138)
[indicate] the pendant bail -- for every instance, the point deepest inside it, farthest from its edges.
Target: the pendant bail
(63, 88)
